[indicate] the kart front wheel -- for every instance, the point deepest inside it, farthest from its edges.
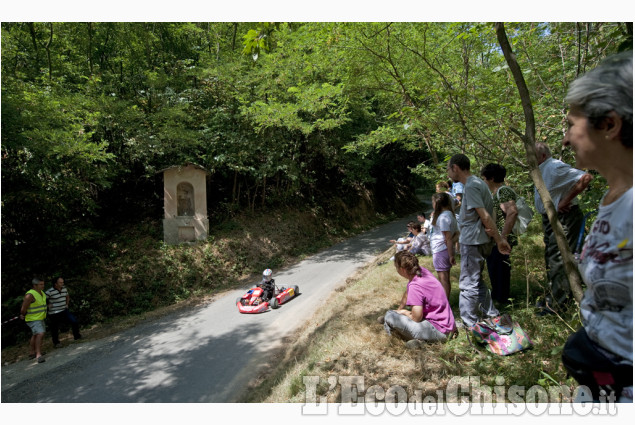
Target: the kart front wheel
(273, 303)
(238, 300)
(296, 290)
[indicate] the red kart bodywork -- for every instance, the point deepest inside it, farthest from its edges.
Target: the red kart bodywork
(252, 301)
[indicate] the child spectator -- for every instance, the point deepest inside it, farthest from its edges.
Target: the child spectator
(444, 234)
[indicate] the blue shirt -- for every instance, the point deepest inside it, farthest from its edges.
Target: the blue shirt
(457, 188)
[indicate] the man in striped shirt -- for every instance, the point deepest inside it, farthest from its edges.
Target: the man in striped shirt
(58, 299)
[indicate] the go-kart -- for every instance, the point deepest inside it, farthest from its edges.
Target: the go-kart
(256, 299)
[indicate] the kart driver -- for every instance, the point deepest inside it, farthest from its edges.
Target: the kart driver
(267, 284)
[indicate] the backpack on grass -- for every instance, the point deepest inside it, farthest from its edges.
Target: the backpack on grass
(502, 335)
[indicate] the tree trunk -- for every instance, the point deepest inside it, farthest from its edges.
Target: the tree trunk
(48, 51)
(90, 48)
(264, 189)
(235, 30)
(36, 64)
(234, 188)
(529, 140)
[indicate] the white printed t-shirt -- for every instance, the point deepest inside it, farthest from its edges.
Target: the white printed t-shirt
(445, 223)
(606, 266)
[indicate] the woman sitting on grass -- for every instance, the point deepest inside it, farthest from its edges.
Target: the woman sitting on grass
(431, 317)
(402, 243)
(419, 245)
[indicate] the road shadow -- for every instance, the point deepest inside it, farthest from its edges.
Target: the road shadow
(152, 370)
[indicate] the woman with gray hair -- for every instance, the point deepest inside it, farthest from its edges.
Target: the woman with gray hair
(600, 133)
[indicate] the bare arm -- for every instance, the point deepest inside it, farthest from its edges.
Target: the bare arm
(490, 229)
(416, 314)
(28, 299)
(565, 203)
(406, 241)
(511, 213)
(404, 298)
(449, 243)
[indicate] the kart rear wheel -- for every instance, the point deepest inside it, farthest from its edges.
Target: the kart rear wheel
(273, 303)
(296, 290)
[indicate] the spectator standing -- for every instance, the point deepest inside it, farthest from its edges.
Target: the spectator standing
(58, 302)
(477, 229)
(442, 187)
(457, 191)
(444, 233)
(33, 312)
(564, 183)
(499, 265)
(600, 133)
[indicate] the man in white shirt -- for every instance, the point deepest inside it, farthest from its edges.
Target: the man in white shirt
(564, 183)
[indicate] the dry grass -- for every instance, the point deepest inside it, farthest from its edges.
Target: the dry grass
(344, 339)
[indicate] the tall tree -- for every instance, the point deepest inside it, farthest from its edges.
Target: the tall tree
(529, 141)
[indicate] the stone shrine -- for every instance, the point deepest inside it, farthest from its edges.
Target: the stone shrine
(185, 204)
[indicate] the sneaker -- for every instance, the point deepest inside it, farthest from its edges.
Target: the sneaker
(381, 320)
(41, 359)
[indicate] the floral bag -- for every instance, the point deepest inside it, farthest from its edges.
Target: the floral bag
(502, 335)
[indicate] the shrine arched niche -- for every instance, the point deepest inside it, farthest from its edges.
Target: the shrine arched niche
(185, 200)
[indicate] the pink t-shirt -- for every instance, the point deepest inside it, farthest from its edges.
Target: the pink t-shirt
(427, 292)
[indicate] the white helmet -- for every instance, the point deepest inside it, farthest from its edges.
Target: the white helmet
(266, 275)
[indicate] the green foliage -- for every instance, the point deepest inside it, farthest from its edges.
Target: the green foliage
(279, 113)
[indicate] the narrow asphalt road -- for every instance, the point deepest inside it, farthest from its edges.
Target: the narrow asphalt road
(206, 354)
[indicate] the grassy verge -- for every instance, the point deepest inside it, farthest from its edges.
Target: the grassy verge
(344, 339)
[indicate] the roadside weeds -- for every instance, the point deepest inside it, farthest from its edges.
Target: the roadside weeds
(344, 339)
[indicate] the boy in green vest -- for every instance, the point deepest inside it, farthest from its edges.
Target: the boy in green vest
(33, 312)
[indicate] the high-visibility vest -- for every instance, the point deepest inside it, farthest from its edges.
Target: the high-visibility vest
(37, 309)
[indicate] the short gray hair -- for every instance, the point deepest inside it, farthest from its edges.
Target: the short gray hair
(36, 281)
(542, 148)
(606, 88)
